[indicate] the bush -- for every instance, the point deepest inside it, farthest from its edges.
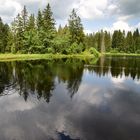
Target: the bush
(50, 50)
(94, 52)
(76, 48)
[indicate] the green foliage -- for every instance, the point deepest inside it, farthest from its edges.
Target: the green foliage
(75, 48)
(94, 52)
(118, 40)
(30, 34)
(75, 28)
(114, 50)
(138, 51)
(50, 50)
(4, 30)
(107, 40)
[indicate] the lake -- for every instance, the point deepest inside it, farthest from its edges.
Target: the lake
(70, 99)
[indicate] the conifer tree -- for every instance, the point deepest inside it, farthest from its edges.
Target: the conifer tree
(24, 15)
(4, 30)
(107, 39)
(76, 28)
(49, 30)
(39, 20)
(136, 37)
(130, 43)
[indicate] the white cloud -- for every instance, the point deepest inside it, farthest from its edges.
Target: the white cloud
(119, 25)
(121, 11)
(91, 9)
(122, 25)
(9, 9)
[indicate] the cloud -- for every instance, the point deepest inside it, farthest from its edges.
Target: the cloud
(129, 7)
(119, 12)
(92, 9)
(9, 9)
(122, 25)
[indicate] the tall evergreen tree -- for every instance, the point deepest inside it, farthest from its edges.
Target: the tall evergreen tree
(4, 30)
(107, 39)
(76, 28)
(24, 15)
(19, 30)
(49, 30)
(136, 37)
(31, 22)
(130, 43)
(39, 20)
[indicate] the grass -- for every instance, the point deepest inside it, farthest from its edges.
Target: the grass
(14, 57)
(120, 54)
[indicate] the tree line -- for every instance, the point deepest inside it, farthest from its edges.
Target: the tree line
(118, 41)
(38, 34)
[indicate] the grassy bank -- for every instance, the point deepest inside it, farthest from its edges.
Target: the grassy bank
(120, 54)
(14, 57)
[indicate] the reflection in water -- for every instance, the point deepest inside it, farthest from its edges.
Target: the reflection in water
(85, 101)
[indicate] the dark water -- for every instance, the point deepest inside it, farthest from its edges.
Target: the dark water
(70, 99)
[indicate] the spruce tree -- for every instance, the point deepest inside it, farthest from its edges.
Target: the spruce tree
(4, 30)
(136, 37)
(76, 28)
(130, 42)
(39, 20)
(107, 40)
(49, 30)
(24, 15)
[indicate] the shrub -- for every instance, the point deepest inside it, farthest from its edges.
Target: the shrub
(50, 50)
(94, 52)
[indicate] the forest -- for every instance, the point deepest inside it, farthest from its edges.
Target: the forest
(38, 34)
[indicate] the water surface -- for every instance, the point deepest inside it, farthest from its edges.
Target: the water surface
(70, 99)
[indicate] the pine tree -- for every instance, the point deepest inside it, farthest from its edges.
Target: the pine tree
(31, 22)
(115, 40)
(107, 40)
(136, 37)
(48, 20)
(4, 30)
(19, 30)
(24, 15)
(130, 42)
(118, 40)
(49, 30)
(39, 20)
(76, 28)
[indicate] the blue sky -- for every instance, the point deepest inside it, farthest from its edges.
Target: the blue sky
(95, 14)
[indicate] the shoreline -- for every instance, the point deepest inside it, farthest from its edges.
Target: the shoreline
(120, 54)
(20, 57)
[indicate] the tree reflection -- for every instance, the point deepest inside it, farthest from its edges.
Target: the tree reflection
(118, 66)
(39, 78)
